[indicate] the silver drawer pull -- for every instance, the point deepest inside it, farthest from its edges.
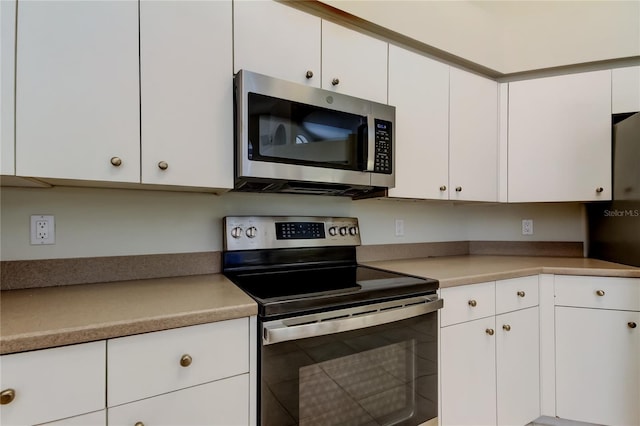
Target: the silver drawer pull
(489, 331)
(521, 293)
(506, 327)
(632, 324)
(600, 292)
(473, 303)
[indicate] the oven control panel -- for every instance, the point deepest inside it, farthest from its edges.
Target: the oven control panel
(267, 232)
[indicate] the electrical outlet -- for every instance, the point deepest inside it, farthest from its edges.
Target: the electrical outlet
(527, 226)
(43, 230)
(399, 228)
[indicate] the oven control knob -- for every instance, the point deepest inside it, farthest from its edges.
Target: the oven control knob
(333, 231)
(353, 230)
(236, 232)
(251, 232)
(343, 230)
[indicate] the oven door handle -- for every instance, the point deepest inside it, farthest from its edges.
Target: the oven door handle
(345, 320)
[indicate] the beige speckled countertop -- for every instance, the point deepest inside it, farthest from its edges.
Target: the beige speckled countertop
(460, 270)
(53, 316)
(45, 317)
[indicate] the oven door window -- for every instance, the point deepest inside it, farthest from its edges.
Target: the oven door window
(294, 133)
(382, 375)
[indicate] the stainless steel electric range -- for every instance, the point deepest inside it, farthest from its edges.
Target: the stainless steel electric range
(339, 343)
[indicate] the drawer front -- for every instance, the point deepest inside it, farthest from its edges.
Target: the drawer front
(221, 403)
(97, 418)
(598, 292)
(149, 364)
(467, 302)
(516, 293)
(52, 384)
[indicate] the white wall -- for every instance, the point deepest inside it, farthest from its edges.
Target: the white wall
(512, 36)
(109, 222)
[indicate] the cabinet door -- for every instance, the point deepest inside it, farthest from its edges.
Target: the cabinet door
(353, 63)
(186, 93)
(223, 403)
(625, 90)
(7, 64)
(473, 137)
(468, 373)
(560, 138)
(277, 40)
(53, 384)
(77, 94)
(518, 367)
(598, 366)
(419, 89)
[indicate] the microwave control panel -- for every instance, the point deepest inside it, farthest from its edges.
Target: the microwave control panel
(383, 147)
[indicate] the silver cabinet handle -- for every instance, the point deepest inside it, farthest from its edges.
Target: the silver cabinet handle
(489, 331)
(600, 292)
(521, 293)
(309, 74)
(458, 189)
(116, 161)
(163, 165)
(473, 303)
(632, 324)
(443, 188)
(347, 319)
(506, 327)
(335, 81)
(599, 189)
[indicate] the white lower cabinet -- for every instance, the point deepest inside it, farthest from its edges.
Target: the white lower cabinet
(518, 367)
(223, 403)
(468, 373)
(52, 384)
(489, 366)
(598, 351)
(195, 375)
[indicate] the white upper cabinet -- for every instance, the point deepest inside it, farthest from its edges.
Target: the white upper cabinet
(77, 94)
(276, 40)
(473, 137)
(559, 138)
(186, 93)
(625, 90)
(353, 63)
(419, 89)
(7, 63)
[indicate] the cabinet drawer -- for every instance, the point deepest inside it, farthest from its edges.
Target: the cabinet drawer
(97, 418)
(516, 293)
(223, 403)
(52, 384)
(598, 292)
(467, 302)
(149, 364)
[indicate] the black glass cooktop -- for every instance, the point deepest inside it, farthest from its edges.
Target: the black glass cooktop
(287, 291)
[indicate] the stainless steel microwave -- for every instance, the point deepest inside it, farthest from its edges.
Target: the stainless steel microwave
(297, 139)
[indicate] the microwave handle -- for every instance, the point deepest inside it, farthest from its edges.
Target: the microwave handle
(371, 143)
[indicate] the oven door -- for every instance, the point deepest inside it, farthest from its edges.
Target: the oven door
(375, 364)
